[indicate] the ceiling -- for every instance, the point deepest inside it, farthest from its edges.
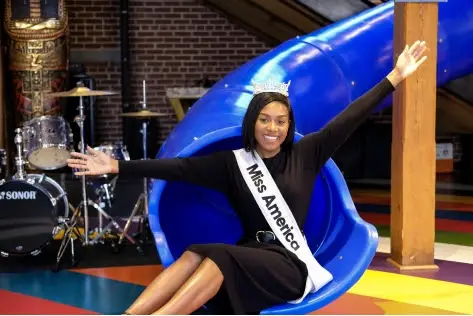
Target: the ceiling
(277, 21)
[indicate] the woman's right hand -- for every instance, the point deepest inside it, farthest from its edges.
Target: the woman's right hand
(93, 163)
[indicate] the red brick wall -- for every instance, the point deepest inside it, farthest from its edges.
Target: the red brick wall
(172, 43)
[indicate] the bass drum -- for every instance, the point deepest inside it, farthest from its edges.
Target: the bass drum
(30, 212)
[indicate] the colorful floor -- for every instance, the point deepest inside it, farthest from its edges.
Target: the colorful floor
(382, 290)
(110, 290)
(454, 222)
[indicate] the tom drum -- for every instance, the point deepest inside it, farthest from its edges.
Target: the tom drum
(47, 142)
(116, 151)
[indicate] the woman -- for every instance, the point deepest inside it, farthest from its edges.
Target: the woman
(262, 270)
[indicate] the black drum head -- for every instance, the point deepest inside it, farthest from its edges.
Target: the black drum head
(27, 218)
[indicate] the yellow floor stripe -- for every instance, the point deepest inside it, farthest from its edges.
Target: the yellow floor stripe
(415, 290)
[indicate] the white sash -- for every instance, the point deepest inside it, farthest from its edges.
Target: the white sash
(280, 218)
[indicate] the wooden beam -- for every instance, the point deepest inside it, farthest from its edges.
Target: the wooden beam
(246, 13)
(307, 12)
(413, 145)
(287, 14)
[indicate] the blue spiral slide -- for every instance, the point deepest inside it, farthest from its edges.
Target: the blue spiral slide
(328, 69)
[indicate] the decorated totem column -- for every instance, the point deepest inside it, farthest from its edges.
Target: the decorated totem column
(37, 56)
(2, 105)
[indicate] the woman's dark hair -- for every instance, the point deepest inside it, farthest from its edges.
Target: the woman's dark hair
(258, 102)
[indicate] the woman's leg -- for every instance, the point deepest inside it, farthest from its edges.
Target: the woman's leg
(196, 291)
(166, 284)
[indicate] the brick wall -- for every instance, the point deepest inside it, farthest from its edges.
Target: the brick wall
(172, 43)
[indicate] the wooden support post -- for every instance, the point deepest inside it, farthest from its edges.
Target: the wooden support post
(413, 144)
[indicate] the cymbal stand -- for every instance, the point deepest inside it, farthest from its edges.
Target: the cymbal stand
(19, 161)
(143, 198)
(80, 121)
(144, 131)
(85, 200)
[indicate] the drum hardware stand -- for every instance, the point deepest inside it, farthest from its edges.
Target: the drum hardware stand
(104, 199)
(80, 121)
(143, 198)
(69, 227)
(81, 91)
(19, 161)
(105, 193)
(85, 200)
(112, 222)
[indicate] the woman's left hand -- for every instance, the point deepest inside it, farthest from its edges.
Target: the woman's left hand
(410, 59)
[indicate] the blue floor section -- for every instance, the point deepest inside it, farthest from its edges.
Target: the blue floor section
(74, 289)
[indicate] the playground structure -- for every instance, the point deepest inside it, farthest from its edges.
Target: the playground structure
(328, 70)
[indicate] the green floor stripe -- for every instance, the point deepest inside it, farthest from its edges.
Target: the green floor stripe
(444, 237)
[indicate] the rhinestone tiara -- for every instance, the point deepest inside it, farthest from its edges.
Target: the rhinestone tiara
(271, 86)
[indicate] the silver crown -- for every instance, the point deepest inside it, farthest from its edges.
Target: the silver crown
(271, 86)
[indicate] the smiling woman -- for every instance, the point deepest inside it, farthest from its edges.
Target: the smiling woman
(268, 125)
(269, 185)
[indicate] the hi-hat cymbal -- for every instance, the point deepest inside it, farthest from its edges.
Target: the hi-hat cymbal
(80, 92)
(142, 114)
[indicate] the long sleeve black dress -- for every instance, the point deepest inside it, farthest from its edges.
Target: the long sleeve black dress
(260, 275)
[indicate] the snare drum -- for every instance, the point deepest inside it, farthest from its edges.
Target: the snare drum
(47, 142)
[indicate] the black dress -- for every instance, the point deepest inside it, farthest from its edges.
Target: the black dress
(260, 275)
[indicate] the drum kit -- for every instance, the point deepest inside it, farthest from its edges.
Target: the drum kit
(38, 207)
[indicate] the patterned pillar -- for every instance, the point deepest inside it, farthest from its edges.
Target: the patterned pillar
(37, 56)
(2, 106)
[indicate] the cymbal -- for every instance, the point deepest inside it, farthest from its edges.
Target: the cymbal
(80, 92)
(142, 113)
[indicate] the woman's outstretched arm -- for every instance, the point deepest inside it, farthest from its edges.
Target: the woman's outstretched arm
(209, 171)
(319, 146)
